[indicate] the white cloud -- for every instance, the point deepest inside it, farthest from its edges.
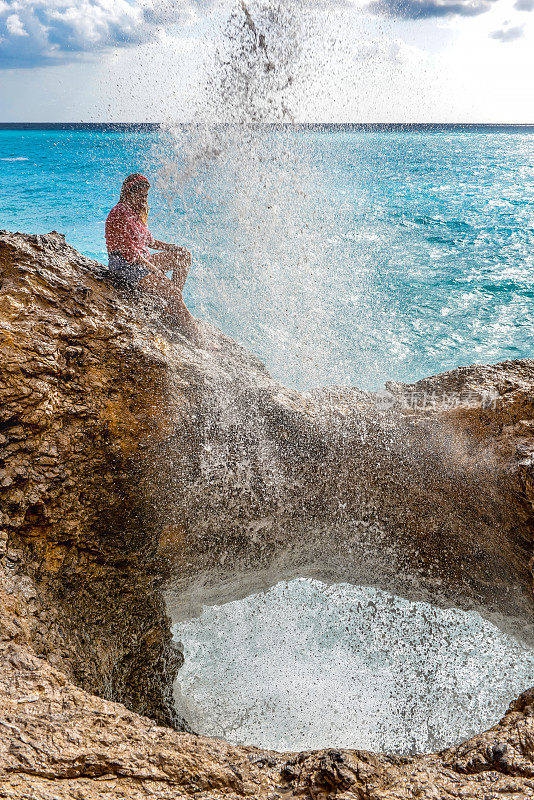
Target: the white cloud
(392, 51)
(380, 69)
(36, 32)
(14, 26)
(509, 33)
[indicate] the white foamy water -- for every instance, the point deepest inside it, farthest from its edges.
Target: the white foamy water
(264, 229)
(306, 665)
(336, 258)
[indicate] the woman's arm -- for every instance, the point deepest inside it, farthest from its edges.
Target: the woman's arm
(158, 245)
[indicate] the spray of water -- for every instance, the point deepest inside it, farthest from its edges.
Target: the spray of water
(244, 187)
(308, 666)
(259, 64)
(268, 233)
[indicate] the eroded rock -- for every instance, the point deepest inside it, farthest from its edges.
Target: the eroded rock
(140, 477)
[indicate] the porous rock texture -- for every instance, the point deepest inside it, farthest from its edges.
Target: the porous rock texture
(141, 475)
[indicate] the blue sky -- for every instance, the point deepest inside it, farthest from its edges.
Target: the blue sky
(374, 60)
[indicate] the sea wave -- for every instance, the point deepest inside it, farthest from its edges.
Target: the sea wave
(15, 158)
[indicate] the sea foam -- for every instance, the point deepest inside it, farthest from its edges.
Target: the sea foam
(306, 665)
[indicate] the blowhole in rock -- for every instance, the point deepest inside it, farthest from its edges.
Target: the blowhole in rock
(306, 665)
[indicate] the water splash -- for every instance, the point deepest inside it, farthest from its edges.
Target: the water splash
(253, 201)
(280, 255)
(306, 665)
(259, 64)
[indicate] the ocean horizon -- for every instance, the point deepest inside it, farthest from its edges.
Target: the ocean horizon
(364, 126)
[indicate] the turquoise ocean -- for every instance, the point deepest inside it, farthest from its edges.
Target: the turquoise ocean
(339, 254)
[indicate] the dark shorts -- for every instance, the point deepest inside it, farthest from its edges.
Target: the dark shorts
(122, 269)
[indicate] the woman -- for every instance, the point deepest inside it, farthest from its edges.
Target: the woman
(128, 240)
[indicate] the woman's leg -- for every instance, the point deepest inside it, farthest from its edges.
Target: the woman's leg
(178, 261)
(158, 284)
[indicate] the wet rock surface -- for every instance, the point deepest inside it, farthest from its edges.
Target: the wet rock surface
(141, 476)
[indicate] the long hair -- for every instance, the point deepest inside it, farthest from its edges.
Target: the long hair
(135, 199)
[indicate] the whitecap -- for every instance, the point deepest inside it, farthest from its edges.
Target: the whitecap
(15, 158)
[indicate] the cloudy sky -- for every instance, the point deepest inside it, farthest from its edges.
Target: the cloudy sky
(367, 60)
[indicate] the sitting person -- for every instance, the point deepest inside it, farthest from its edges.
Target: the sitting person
(128, 240)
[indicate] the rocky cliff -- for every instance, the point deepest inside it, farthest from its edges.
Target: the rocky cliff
(141, 476)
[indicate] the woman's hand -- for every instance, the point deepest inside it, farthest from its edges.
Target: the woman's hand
(181, 252)
(172, 248)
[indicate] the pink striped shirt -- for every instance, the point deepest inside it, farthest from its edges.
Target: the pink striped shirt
(126, 234)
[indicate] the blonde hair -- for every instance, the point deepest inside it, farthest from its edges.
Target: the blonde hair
(136, 200)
